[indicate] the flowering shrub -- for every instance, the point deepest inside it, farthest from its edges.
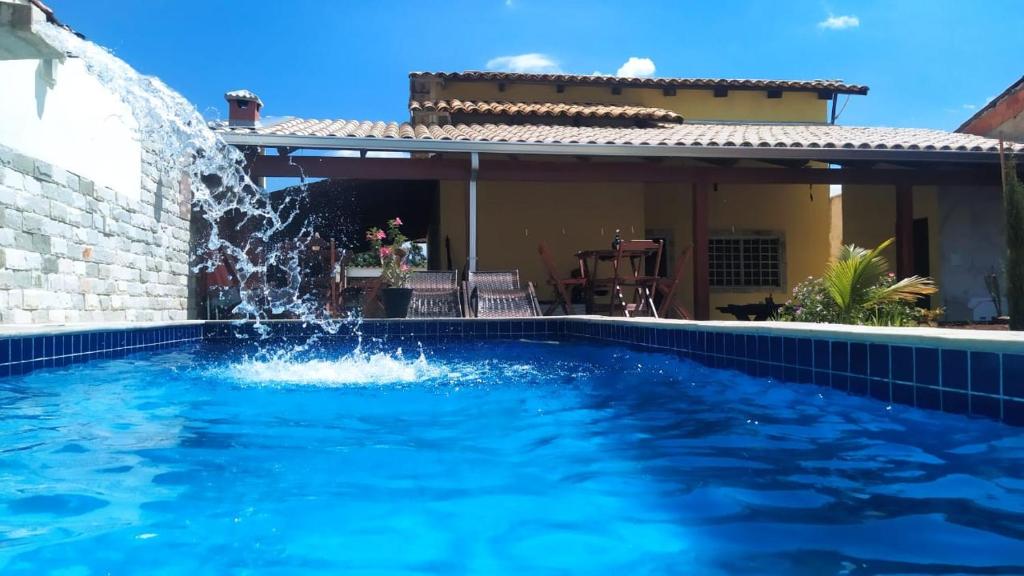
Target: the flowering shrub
(391, 252)
(857, 288)
(811, 302)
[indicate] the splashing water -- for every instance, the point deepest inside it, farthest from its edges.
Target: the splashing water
(357, 368)
(176, 140)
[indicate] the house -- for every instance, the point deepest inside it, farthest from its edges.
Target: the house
(748, 172)
(1002, 117)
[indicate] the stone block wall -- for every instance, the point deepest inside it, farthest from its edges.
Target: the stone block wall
(73, 251)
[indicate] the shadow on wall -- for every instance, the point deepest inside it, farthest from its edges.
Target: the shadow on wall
(44, 82)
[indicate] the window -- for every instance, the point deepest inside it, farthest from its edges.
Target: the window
(750, 261)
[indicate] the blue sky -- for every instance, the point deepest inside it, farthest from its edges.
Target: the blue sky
(929, 63)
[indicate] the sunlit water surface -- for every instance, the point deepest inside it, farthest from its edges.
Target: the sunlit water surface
(495, 458)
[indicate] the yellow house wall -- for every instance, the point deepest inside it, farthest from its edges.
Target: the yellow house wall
(739, 105)
(869, 218)
(514, 216)
(805, 225)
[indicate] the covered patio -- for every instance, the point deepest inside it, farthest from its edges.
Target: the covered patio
(695, 165)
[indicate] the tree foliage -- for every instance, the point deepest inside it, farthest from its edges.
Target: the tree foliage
(1013, 198)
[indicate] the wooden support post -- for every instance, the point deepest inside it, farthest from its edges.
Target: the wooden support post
(904, 230)
(701, 283)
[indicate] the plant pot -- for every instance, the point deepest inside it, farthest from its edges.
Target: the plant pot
(396, 301)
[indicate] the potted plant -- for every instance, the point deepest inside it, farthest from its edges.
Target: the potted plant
(391, 251)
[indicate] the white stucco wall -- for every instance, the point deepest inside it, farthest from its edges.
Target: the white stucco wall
(972, 232)
(76, 124)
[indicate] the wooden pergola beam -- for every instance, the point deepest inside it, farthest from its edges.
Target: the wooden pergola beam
(546, 171)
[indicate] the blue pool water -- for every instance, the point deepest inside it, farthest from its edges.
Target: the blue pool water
(488, 458)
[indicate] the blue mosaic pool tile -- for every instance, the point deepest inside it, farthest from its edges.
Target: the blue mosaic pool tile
(954, 402)
(776, 344)
(878, 361)
(1013, 376)
(859, 358)
(840, 382)
(902, 362)
(903, 393)
(986, 406)
(859, 385)
(822, 355)
(729, 348)
(23, 354)
(805, 376)
(984, 372)
(804, 353)
(954, 369)
(1013, 412)
(788, 351)
(821, 377)
(764, 349)
(926, 366)
(928, 398)
(790, 373)
(880, 389)
(840, 356)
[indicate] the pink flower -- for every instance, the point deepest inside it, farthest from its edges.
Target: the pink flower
(381, 235)
(398, 221)
(404, 267)
(385, 251)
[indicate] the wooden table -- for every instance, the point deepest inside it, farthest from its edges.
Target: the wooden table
(644, 286)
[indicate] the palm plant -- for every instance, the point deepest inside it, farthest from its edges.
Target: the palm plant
(855, 283)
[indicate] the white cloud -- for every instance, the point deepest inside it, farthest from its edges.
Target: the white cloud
(533, 62)
(636, 68)
(970, 107)
(839, 22)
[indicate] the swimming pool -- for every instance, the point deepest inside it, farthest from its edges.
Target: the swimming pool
(499, 456)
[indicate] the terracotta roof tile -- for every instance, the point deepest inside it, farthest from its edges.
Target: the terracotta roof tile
(740, 84)
(545, 109)
(687, 134)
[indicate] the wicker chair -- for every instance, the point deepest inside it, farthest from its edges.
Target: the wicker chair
(498, 295)
(435, 295)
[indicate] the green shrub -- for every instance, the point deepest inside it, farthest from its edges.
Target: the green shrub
(857, 288)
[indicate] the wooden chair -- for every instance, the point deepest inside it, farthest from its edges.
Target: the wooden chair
(563, 286)
(666, 289)
(628, 268)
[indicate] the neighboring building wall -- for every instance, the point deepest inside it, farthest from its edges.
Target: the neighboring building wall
(694, 105)
(971, 220)
(88, 229)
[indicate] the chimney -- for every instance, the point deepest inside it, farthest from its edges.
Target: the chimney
(243, 108)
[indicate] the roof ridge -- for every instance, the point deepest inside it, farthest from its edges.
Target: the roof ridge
(837, 85)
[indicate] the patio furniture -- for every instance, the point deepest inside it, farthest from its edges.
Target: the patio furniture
(666, 290)
(435, 295)
(629, 263)
(761, 311)
(563, 286)
(498, 295)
